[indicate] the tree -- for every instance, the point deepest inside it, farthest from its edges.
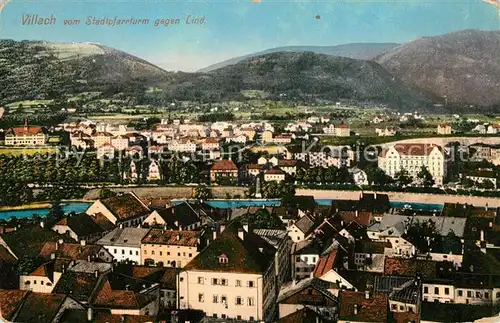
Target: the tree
(202, 192)
(420, 234)
(55, 213)
(426, 177)
(403, 178)
(486, 184)
(377, 176)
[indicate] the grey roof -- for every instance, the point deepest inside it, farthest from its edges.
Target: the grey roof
(83, 266)
(408, 293)
(124, 237)
(291, 288)
(396, 223)
(386, 284)
(273, 237)
(305, 224)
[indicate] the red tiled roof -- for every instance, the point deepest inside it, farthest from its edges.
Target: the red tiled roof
(254, 166)
(325, 264)
(287, 162)
(10, 301)
(274, 172)
(224, 165)
(72, 251)
(414, 149)
(19, 131)
(343, 126)
(362, 218)
(125, 206)
(373, 309)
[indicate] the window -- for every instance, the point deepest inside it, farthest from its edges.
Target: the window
(214, 281)
(34, 282)
(161, 253)
(314, 259)
(115, 251)
(201, 298)
(298, 258)
(153, 252)
(436, 290)
(190, 255)
(223, 282)
(305, 259)
(123, 251)
(137, 253)
(460, 293)
(250, 283)
(179, 254)
(251, 301)
(487, 295)
(184, 254)
(41, 282)
(426, 290)
(238, 317)
(478, 294)
(447, 291)
(223, 316)
(200, 280)
(168, 253)
(239, 300)
(145, 252)
(401, 308)
(215, 299)
(214, 315)
(469, 294)
(238, 283)
(251, 318)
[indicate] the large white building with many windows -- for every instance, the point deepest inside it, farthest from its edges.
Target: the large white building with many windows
(412, 157)
(235, 277)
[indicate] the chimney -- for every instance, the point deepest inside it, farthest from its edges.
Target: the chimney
(96, 273)
(90, 314)
(26, 124)
(482, 236)
(82, 242)
(127, 287)
(355, 309)
(357, 213)
(367, 294)
(241, 234)
(486, 207)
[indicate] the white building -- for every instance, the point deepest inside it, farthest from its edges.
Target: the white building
(412, 157)
(124, 243)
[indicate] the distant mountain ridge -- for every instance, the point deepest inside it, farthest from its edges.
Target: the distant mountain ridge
(301, 75)
(463, 66)
(364, 51)
(38, 69)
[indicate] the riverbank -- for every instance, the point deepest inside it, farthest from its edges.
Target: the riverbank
(404, 197)
(171, 192)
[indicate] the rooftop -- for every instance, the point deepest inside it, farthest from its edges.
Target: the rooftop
(373, 309)
(125, 206)
(251, 255)
(325, 264)
(81, 224)
(169, 237)
(224, 165)
(74, 251)
(126, 237)
(305, 224)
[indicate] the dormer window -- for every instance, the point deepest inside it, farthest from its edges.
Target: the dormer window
(223, 259)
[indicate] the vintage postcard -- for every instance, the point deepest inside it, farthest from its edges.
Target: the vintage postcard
(249, 161)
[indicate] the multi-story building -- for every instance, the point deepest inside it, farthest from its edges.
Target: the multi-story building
(322, 159)
(101, 139)
(124, 244)
(412, 157)
(183, 145)
(27, 135)
(169, 248)
(342, 130)
(224, 169)
(120, 142)
(233, 278)
(276, 175)
(444, 129)
(305, 255)
(153, 171)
